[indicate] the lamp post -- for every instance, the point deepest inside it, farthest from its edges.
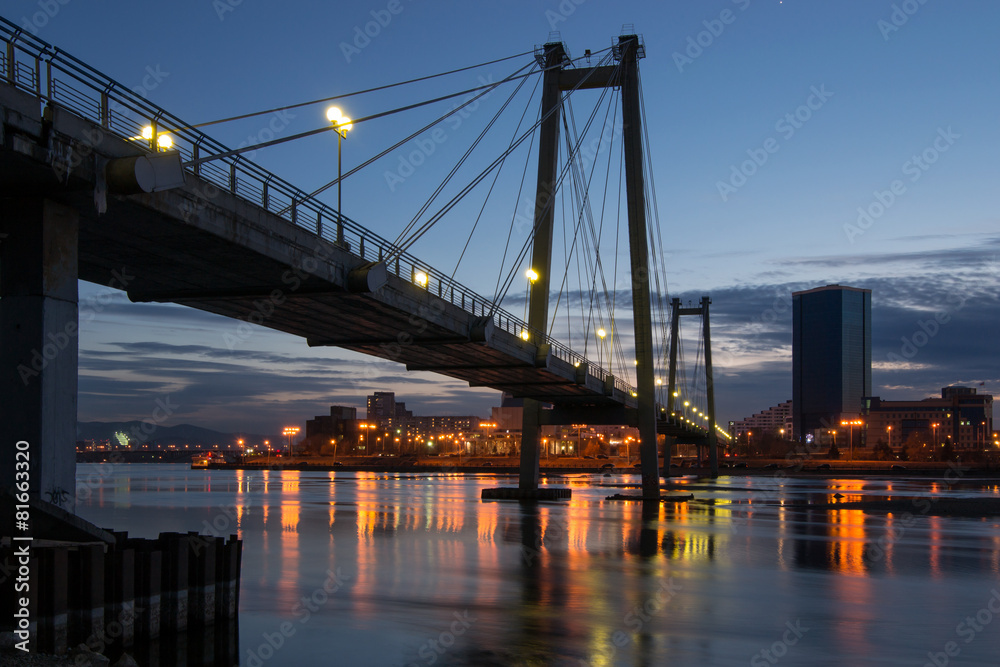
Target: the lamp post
(601, 334)
(851, 423)
(341, 125)
(290, 431)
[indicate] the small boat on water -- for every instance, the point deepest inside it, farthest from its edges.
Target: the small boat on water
(201, 460)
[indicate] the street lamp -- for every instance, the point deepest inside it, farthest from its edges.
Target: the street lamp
(290, 431)
(157, 141)
(341, 125)
(601, 333)
(852, 423)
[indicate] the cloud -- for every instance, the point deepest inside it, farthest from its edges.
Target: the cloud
(935, 316)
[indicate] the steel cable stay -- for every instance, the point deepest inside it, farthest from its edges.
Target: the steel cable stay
(343, 96)
(501, 293)
(381, 114)
(586, 209)
(475, 181)
(594, 302)
(565, 171)
(611, 299)
(513, 218)
(495, 178)
(461, 161)
(334, 98)
(581, 201)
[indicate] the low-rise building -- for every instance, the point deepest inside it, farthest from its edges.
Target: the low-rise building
(961, 417)
(777, 419)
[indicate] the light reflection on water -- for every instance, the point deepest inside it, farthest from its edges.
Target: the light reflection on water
(432, 575)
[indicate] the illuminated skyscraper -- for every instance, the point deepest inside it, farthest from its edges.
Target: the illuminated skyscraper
(831, 356)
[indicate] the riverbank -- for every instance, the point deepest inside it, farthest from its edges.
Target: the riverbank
(617, 465)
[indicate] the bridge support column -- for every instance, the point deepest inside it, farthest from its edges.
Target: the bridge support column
(541, 249)
(639, 256)
(713, 441)
(38, 345)
(530, 451)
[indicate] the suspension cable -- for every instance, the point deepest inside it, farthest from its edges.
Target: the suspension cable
(496, 177)
(458, 165)
(357, 92)
(551, 200)
(330, 127)
(437, 216)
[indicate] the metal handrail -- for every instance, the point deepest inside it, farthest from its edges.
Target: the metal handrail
(119, 110)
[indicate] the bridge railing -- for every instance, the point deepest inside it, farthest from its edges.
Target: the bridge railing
(58, 78)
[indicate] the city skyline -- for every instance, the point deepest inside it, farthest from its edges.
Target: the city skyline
(846, 152)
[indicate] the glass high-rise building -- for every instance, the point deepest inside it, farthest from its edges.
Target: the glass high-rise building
(831, 356)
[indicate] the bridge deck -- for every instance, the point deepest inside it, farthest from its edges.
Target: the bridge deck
(207, 248)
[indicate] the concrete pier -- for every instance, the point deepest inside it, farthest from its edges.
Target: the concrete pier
(38, 343)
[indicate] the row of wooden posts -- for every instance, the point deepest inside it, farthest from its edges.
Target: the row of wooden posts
(133, 591)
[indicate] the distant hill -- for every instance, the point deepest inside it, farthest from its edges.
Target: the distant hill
(182, 434)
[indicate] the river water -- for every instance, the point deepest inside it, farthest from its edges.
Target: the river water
(346, 568)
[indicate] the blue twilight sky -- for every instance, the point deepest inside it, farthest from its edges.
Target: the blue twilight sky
(848, 106)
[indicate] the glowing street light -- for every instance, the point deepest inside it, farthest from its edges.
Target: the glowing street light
(852, 423)
(341, 125)
(290, 431)
(532, 275)
(601, 334)
(162, 142)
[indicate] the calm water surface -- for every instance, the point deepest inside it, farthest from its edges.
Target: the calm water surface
(362, 569)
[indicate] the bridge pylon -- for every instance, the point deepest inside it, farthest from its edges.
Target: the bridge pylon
(557, 79)
(711, 440)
